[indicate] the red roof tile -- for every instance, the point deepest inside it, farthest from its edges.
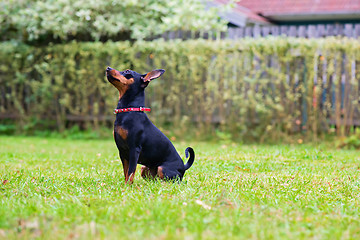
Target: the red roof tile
(278, 7)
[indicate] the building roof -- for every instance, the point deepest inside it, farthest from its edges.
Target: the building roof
(264, 12)
(239, 15)
(251, 16)
(276, 7)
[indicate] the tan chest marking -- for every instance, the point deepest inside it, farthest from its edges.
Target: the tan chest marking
(122, 132)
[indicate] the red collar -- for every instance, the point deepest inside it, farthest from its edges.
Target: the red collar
(133, 109)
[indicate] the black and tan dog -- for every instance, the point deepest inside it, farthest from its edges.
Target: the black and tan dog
(136, 137)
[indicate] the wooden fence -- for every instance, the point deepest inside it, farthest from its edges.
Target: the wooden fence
(305, 31)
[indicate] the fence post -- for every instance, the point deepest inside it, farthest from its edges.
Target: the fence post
(257, 32)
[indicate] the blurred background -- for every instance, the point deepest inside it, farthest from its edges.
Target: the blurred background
(249, 70)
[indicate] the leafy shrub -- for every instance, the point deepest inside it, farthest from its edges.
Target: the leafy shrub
(254, 89)
(7, 128)
(350, 142)
(44, 21)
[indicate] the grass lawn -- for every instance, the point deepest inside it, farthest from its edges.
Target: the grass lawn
(74, 189)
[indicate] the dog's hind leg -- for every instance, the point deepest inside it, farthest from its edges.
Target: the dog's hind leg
(148, 173)
(167, 174)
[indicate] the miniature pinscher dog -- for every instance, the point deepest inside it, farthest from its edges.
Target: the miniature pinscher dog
(136, 137)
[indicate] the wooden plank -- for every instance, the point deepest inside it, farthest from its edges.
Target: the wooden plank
(346, 122)
(275, 30)
(165, 36)
(180, 34)
(257, 32)
(248, 32)
(321, 30)
(231, 33)
(77, 118)
(302, 31)
(205, 35)
(171, 35)
(283, 30)
(348, 30)
(223, 35)
(311, 31)
(292, 31)
(69, 117)
(240, 32)
(324, 96)
(357, 30)
(324, 72)
(213, 35)
(265, 31)
(329, 30)
(338, 30)
(190, 35)
(183, 35)
(9, 116)
(197, 35)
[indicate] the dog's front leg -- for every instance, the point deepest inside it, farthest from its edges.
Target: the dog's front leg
(125, 164)
(133, 160)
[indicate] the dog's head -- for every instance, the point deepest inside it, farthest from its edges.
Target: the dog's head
(129, 80)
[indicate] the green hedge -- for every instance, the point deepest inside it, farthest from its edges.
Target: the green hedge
(253, 89)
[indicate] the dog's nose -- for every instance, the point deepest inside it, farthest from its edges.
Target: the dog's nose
(109, 69)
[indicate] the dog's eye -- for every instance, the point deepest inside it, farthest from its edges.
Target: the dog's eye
(128, 75)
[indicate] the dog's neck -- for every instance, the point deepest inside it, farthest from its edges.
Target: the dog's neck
(128, 101)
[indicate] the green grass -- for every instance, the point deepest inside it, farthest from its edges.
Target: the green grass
(63, 189)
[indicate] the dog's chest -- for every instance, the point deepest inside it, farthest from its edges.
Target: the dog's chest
(120, 136)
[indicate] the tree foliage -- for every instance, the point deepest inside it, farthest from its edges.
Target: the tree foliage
(62, 20)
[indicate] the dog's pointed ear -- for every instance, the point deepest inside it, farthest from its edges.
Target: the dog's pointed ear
(152, 75)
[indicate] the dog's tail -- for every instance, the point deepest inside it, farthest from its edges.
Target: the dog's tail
(191, 159)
